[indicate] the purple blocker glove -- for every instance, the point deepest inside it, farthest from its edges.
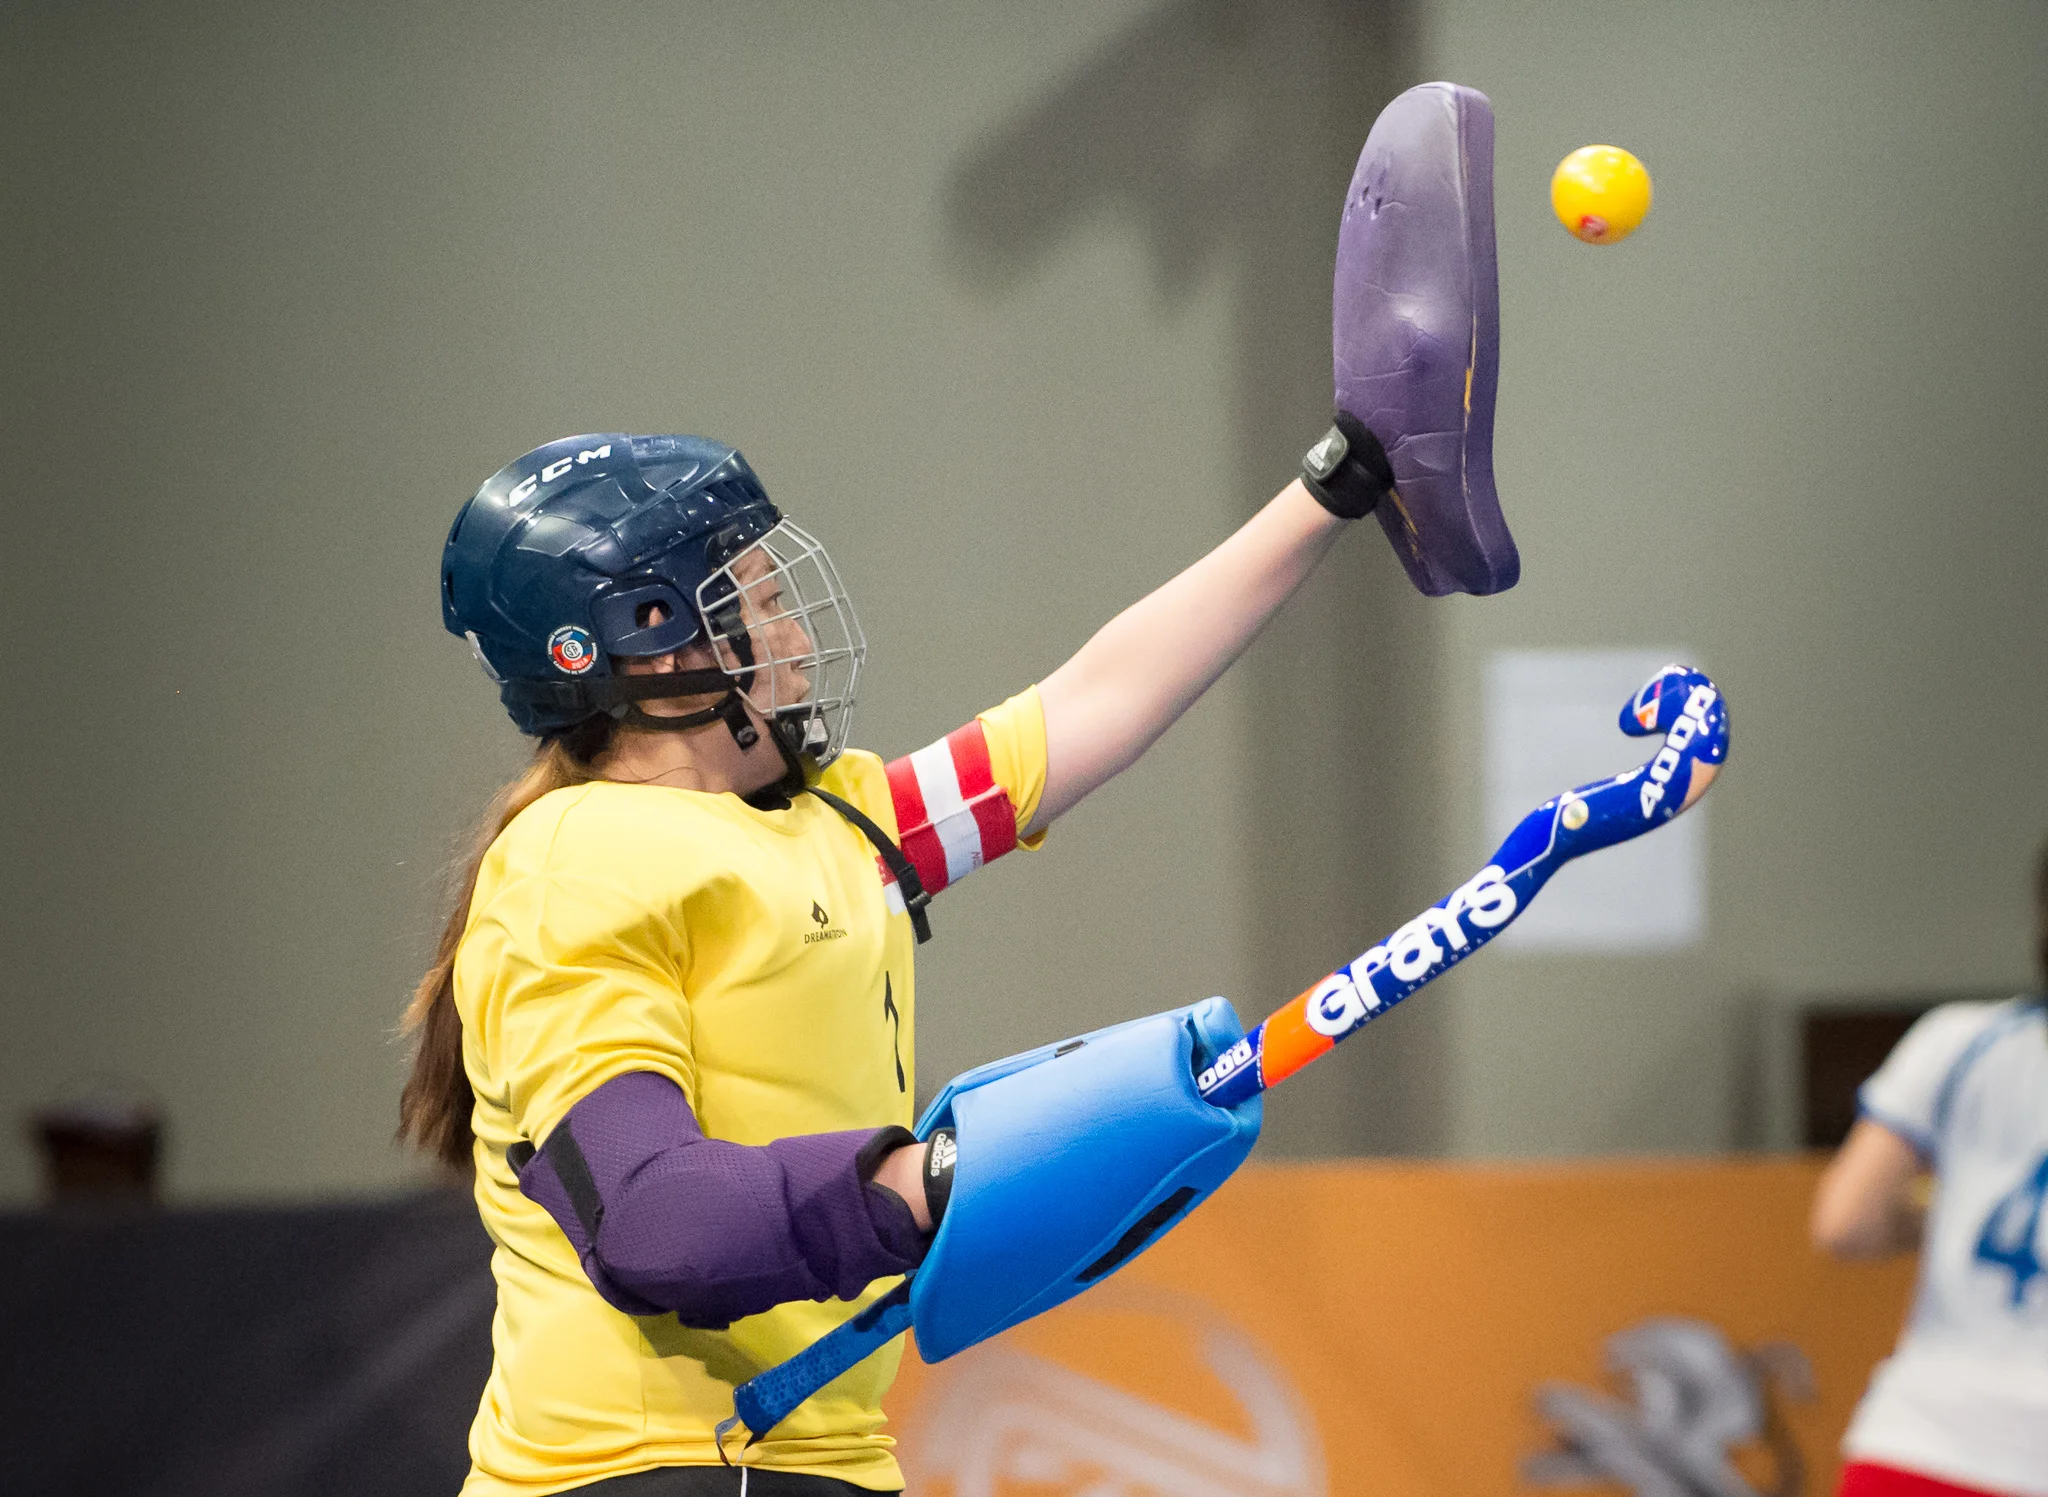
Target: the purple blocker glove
(1416, 337)
(664, 1219)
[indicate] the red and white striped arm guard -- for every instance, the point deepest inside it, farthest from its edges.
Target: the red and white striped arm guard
(951, 815)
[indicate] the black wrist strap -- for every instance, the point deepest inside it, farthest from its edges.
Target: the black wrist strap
(1347, 471)
(939, 1157)
(907, 882)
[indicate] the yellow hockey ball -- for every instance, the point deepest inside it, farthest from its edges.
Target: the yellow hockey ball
(1600, 193)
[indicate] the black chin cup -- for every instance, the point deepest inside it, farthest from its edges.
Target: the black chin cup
(801, 733)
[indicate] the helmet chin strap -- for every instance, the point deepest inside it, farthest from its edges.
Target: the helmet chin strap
(791, 742)
(789, 737)
(730, 709)
(619, 697)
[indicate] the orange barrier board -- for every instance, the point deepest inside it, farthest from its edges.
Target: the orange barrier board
(1424, 1331)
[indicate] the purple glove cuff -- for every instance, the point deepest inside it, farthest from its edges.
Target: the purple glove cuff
(840, 1231)
(890, 1213)
(664, 1219)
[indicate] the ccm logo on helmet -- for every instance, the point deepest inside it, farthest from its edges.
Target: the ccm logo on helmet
(530, 485)
(1692, 722)
(572, 649)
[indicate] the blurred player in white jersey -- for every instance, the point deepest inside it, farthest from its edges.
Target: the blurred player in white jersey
(1962, 1404)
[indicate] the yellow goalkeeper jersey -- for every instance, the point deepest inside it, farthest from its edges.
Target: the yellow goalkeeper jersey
(761, 960)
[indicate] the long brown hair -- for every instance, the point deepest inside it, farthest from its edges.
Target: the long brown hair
(434, 1109)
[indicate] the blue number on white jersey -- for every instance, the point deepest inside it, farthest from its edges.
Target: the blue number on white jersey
(2011, 1230)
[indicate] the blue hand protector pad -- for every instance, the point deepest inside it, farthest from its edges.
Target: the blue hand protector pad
(1073, 1159)
(1416, 333)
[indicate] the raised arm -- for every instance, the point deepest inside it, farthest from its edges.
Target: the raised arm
(1146, 666)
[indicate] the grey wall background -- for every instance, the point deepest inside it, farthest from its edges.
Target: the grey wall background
(1021, 310)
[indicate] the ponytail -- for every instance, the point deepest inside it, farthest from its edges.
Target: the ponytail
(434, 1109)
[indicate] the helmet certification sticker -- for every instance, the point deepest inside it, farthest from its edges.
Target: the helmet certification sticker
(572, 649)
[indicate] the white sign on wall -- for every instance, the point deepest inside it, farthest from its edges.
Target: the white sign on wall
(1552, 722)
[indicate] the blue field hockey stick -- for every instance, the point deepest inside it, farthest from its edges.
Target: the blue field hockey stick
(1678, 702)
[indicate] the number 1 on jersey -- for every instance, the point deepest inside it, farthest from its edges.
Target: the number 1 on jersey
(895, 1019)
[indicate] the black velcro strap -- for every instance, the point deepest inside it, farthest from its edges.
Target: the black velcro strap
(912, 887)
(1347, 471)
(573, 1170)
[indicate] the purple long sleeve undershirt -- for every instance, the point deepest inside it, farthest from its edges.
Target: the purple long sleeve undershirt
(665, 1219)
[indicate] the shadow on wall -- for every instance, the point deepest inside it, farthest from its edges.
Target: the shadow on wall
(1228, 132)
(1160, 126)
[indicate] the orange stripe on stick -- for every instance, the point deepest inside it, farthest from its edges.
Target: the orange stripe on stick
(1288, 1043)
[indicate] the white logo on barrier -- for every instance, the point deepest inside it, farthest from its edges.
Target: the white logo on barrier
(997, 1420)
(1692, 721)
(1697, 1399)
(529, 485)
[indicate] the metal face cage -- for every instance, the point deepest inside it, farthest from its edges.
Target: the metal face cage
(779, 621)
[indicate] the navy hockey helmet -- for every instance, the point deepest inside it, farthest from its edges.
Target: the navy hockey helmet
(611, 545)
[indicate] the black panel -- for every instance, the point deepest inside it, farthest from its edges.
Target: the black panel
(1841, 1048)
(331, 1350)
